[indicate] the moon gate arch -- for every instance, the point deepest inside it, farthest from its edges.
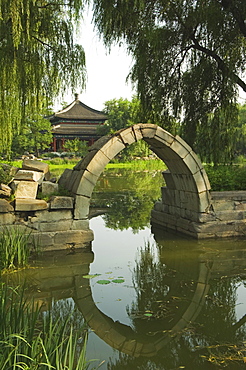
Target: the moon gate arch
(187, 189)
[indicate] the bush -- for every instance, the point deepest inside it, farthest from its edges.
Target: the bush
(226, 178)
(5, 176)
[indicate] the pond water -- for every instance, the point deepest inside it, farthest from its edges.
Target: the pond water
(152, 299)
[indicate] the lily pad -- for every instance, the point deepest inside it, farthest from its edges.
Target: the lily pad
(103, 282)
(118, 281)
(90, 276)
(148, 314)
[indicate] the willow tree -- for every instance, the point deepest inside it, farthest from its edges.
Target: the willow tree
(189, 63)
(38, 58)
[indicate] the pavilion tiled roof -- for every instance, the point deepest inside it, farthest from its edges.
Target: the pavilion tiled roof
(78, 111)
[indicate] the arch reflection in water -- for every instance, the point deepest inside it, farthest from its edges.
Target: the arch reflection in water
(187, 286)
(124, 338)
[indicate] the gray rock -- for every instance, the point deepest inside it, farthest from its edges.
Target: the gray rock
(5, 191)
(30, 204)
(5, 207)
(57, 202)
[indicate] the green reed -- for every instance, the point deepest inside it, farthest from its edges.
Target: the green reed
(32, 340)
(14, 249)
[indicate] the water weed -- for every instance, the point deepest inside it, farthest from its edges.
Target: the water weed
(31, 339)
(14, 249)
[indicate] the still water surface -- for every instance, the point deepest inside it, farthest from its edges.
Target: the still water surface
(153, 300)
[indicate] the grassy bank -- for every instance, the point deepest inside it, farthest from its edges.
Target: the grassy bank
(222, 178)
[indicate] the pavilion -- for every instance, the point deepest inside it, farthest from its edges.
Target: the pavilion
(77, 120)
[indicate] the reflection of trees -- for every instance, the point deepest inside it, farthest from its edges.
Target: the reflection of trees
(162, 291)
(129, 197)
(163, 287)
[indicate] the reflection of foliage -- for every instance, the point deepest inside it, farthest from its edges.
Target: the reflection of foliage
(129, 197)
(128, 210)
(217, 339)
(160, 290)
(65, 309)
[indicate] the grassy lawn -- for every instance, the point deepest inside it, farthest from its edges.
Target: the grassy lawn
(222, 178)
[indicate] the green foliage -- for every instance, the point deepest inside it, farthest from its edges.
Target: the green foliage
(14, 248)
(31, 340)
(76, 146)
(5, 175)
(225, 178)
(241, 131)
(128, 196)
(35, 136)
(189, 61)
(121, 114)
(38, 58)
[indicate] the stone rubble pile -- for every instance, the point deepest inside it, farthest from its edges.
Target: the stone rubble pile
(34, 176)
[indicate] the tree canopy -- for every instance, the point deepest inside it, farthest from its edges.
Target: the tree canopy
(38, 58)
(189, 63)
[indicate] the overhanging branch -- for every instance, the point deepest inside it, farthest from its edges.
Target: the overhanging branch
(221, 64)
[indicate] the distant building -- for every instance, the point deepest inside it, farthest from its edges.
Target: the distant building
(77, 120)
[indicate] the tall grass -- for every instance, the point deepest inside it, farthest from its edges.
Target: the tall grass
(32, 340)
(14, 249)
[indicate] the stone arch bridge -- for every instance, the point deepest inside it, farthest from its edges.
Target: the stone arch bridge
(186, 205)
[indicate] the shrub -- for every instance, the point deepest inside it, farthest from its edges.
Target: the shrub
(5, 176)
(226, 178)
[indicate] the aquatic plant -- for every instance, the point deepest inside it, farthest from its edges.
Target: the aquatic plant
(33, 340)
(14, 249)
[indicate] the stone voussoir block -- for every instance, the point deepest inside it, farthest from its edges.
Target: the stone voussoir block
(127, 136)
(163, 136)
(81, 209)
(97, 163)
(85, 187)
(148, 130)
(201, 181)
(180, 147)
(192, 162)
(137, 131)
(112, 147)
(86, 183)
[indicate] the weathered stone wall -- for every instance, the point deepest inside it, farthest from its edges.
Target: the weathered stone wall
(51, 224)
(225, 218)
(53, 228)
